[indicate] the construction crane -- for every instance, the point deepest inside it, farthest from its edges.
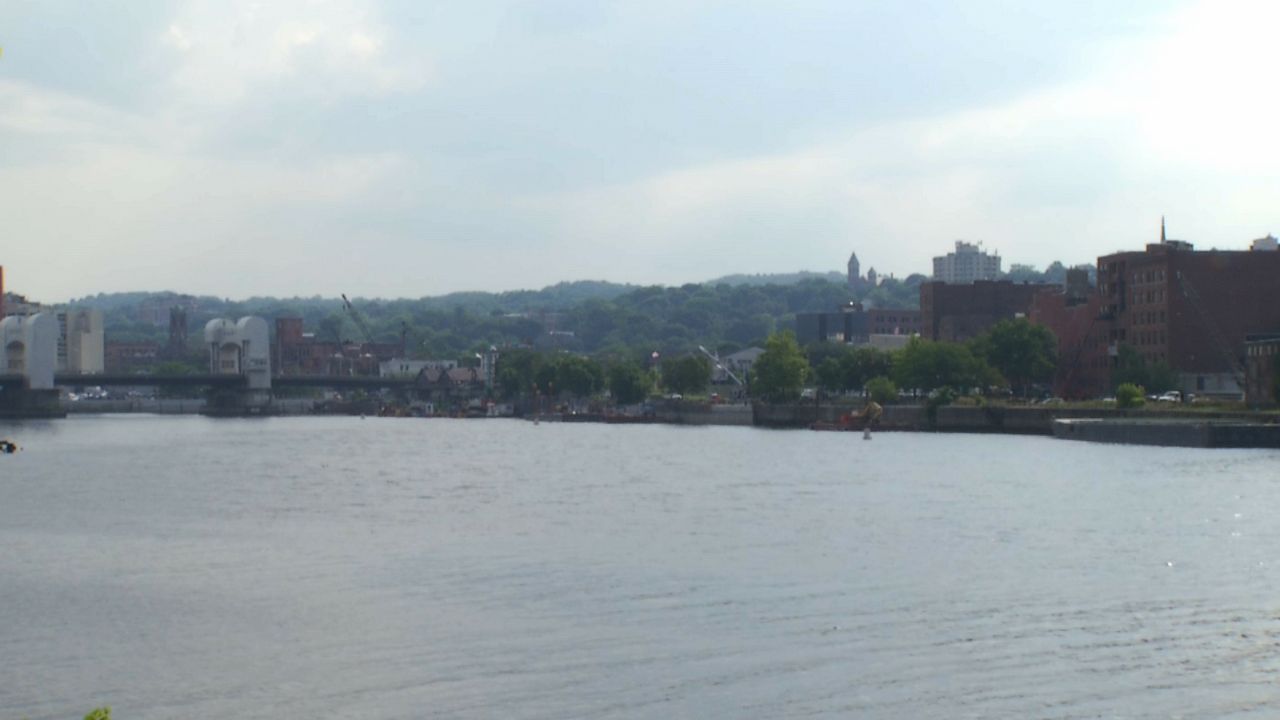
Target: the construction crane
(716, 359)
(1210, 327)
(355, 317)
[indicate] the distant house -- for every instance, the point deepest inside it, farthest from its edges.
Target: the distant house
(738, 363)
(450, 386)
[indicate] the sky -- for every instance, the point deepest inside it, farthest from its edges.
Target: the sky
(408, 148)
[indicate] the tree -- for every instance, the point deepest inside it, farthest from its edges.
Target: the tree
(779, 373)
(685, 375)
(629, 383)
(1132, 367)
(882, 390)
(926, 365)
(516, 372)
(841, 368)
(830, 375)
(578, 376)
(1129, 395)
(1023, 352)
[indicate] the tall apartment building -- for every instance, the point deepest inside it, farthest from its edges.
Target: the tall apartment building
(969, 263)
(1191, 309)
(81, 347)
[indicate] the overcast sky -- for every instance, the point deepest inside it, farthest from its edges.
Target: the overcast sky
(410, 148)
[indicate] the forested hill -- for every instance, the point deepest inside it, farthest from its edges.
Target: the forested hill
(778, 278)
(590, 317)
(584, 317)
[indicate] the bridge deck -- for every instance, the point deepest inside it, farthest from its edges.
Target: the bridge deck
(218, 381)
(135, 380)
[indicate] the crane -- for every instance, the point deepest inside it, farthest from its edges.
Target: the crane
(355, 317)
(716, 359)
(1210, 327)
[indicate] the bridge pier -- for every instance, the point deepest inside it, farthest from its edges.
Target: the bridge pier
(240, 348)
(23, 402)
(28, 353)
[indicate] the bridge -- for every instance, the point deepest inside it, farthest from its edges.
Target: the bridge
(226, 382)
(239, 378)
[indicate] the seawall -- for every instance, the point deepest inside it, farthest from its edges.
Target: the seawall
(1030, 420)
(178, 406)
(1183, 432)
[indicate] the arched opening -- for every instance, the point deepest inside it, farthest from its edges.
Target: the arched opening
(229, 358)
(15, 357)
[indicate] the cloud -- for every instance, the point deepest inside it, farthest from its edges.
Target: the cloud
(448, 148)
(225, 50)
(1066, 172)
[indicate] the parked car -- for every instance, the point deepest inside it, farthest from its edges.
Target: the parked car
(1171, 396)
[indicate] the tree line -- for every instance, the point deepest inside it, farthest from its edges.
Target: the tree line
(1014, 356)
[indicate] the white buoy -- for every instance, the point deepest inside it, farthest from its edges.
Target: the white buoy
(866, 433)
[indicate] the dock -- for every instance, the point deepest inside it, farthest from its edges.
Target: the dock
(1170, 432)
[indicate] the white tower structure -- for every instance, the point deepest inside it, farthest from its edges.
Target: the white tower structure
(240, 348)
(29, 347)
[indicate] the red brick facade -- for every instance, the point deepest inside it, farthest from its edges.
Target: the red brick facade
(1190, 309)
(296, 353)
(1084, 366)
(956, 313)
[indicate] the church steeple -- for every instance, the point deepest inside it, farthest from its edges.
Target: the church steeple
(1162, 237)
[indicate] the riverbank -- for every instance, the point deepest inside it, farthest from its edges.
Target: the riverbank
(1005, 419)
(1175, 426)
(176, 406)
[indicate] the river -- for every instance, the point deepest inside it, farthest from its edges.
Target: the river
(183, 567)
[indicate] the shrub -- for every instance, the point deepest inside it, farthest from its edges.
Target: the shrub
(882, 390)
(944, 395)
(1129, 395)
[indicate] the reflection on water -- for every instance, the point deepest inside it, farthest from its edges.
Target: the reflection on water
(184, 567)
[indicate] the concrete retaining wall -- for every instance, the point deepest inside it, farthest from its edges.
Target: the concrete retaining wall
(1030, 420)
(178, 406)
(1171, 432)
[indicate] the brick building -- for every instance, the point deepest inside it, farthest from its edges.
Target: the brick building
(1073, 314)
(301, 353)
(956, 313)
(1191, 309)
(854, 325)
(130, 357)
(1262, 369)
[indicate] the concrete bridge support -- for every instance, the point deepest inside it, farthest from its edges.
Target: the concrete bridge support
(28, 353)
(240, 348)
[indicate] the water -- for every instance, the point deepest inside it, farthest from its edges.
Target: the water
(337, 567)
